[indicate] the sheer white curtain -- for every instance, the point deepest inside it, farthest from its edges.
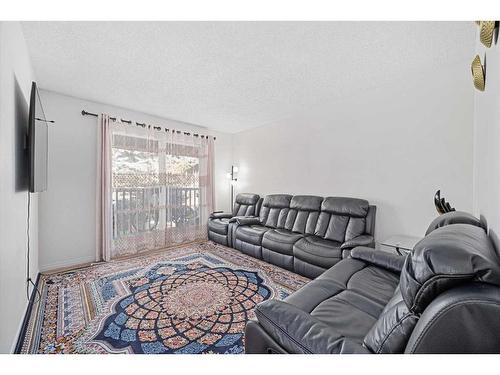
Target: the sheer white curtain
(103, 189)
(162, 188)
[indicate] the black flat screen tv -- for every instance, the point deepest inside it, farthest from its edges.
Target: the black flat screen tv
(37, 143)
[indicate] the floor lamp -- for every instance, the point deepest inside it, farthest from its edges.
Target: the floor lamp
(233, 177)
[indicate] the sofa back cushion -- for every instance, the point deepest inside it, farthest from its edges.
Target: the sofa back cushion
(445, 258)
(303, 214)
(454, 217)
(274, 210)
(370, 220)
(245, 204)
(341, 219)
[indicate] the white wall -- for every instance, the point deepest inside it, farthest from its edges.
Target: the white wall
(487, 141)
(67, 208)
(16, 75)
(394, 145)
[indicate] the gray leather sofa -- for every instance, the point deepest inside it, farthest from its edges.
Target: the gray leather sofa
(219, 227)
(442, 298)
(305, 234)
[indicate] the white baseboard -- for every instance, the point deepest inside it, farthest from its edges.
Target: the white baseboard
(66, 263)
(19, 328)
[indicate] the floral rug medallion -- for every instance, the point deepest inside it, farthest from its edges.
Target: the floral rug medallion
(192, 299)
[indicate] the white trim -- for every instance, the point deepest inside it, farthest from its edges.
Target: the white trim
(66, 263)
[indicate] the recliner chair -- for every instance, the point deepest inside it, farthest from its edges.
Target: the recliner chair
(300, 220)
(342, 224)
(250, 231)
(442, 298)
(245, 205)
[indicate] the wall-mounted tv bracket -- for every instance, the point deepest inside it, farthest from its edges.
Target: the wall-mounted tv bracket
(41, 119)
(26, 139)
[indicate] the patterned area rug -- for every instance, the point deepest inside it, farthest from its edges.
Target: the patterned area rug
(192, 299)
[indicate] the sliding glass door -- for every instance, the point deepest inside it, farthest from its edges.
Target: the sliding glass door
(162, 188)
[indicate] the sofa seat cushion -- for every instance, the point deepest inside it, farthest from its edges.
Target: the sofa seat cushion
(280, 240)
(318, 251)
(218, 225)
(251, 233)
(349, 297)
(348, 313)
(298, 332)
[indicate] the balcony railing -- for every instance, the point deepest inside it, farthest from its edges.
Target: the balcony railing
(137, 210)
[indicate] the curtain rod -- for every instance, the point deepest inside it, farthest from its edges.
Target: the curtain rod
(141, 124)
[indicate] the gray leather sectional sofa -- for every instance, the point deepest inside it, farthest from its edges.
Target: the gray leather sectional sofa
(442, 298)
(302, 233)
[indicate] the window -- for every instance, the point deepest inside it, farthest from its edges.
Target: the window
(160, 194)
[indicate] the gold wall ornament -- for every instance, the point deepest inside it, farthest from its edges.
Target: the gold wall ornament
(478, 73)
(486, 31)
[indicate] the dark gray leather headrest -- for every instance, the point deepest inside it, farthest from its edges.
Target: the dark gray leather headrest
(454, 217)
(306, 202)
(247, 199)
(345, 206)
(445, 258)
(277, 201)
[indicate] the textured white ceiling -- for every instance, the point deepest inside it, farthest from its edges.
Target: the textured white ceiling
(232, 76)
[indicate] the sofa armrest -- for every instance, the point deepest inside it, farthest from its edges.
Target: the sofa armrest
(363, 240)
(245, 220)
(234, 219)
(389, 261)
(298, 332)
(446, 325)
(220, 215)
